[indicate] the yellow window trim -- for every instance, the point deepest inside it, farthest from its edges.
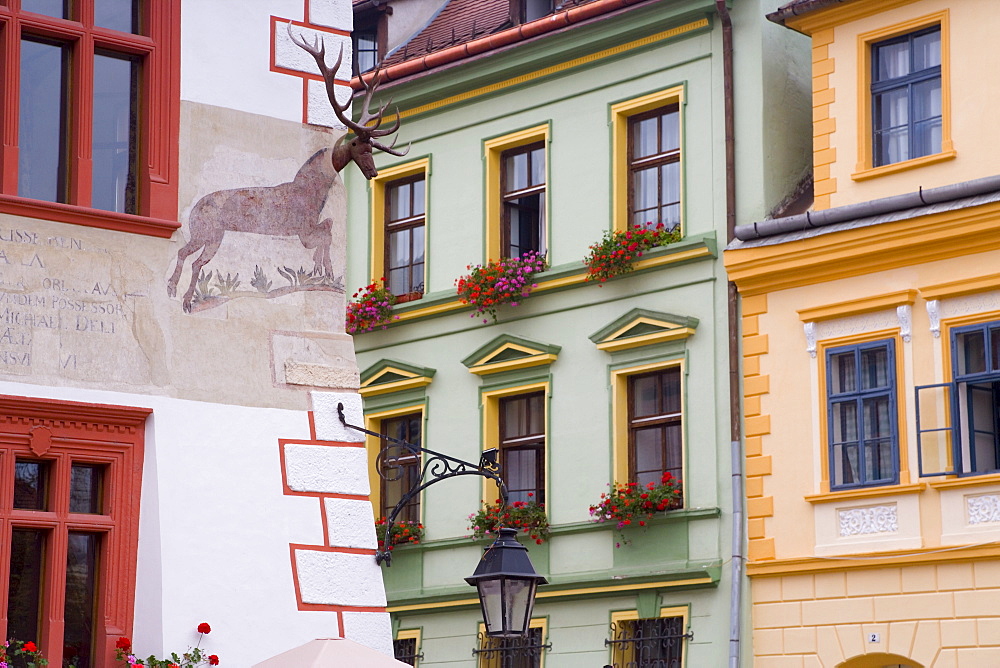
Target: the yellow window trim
(961, 288)
(511, 365)
(865, 168)
(491, 428)
(378, 186)
(682, 611)
(535, 623)
(411, 634)
(967, 480)
(901, 400)
(411, 381)
(620, 113)
(493, 149)
(373, 422)
(858, 306)
(866, 493)
(619, 416)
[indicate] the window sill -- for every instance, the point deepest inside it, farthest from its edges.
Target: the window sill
(87, 217)
(865, 493)
(866, 173)
(563, 277)
(967, 481)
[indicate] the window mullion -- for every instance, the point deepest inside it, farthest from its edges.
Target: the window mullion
(10, 65)
(81, 121)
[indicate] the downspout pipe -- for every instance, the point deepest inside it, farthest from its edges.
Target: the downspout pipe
(735, 412)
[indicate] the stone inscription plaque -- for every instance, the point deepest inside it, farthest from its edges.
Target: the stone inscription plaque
(66, 308)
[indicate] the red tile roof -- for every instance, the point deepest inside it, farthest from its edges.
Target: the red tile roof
(468, 28)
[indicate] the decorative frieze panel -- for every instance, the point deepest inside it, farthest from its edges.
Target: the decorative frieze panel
(868, 520)
(983, 509)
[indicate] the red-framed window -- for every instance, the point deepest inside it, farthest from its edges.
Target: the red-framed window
(89, 112)
(70, 477)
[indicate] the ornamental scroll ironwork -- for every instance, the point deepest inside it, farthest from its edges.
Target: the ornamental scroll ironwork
(436, 466)
(405, 650)
(648, 643)
(523, 652)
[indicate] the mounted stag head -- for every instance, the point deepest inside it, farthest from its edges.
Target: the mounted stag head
(359, 148)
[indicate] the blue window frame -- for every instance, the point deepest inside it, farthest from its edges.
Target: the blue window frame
(906, 97)
(861, 415)
(967, 440)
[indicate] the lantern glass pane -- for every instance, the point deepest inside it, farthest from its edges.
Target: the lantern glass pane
(491, 596)
(518, 595)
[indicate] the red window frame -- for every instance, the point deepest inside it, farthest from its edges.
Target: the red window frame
(159, 114)
(63, 433)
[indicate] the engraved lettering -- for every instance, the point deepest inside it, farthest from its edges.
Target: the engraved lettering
(15, 359)
(34, 261)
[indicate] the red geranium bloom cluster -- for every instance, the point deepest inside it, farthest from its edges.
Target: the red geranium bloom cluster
(613, 255)
(527, 516)
(499, 282)
(631, 505)
(12, 649)
(403, 533)
(195, 656)
(370, 309)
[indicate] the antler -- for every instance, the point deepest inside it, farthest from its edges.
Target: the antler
(367, 126)
(318, 51)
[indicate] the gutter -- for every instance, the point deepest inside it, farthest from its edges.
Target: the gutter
(732, 307)
(878, 207)
(799, 8)
(493, 42)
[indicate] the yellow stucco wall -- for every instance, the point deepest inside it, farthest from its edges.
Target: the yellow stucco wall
(843, 173)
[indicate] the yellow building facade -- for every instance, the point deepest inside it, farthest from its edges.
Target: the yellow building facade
(871, 351)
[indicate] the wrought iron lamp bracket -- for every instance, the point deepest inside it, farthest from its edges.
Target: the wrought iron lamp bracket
(436, 467)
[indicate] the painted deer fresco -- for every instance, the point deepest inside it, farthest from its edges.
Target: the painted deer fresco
(293, 208)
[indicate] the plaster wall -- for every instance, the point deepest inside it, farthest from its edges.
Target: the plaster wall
(928, 515)
(936, 615)
(973, 131)
(579, 164)
(215, 529)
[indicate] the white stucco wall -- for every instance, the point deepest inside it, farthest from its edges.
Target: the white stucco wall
(215, 530)
(226, 55)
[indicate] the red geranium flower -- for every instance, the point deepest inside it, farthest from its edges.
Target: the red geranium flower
(30, 647)
(123, 644)
(204, 628)
(213, 660)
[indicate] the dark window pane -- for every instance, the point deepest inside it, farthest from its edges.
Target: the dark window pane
(85, 492)
(115, 103)
(874, 368)
(405, 466)
(24, 592)
(927, 50)
(120, 15)
(892, 61)
(972, 352)
(42, 159)
(648, 643)
(56, 8)
(81, 585)
(31, 484)
(405, 650)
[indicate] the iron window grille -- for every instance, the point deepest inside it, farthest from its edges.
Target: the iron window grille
(958, 423)
(405, 650)
(862, 420)
(648, 643)
(906, 97)
(523, 652)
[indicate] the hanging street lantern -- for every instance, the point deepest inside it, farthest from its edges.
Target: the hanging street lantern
(506, 581)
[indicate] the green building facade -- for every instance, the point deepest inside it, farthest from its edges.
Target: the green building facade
(541, 140)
